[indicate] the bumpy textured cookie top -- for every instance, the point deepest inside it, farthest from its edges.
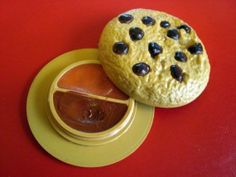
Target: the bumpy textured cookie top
(154, 57)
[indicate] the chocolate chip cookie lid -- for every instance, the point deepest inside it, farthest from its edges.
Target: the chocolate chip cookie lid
(86, 145)
(154, 57)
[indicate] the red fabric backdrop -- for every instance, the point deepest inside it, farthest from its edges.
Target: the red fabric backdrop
(197, 140)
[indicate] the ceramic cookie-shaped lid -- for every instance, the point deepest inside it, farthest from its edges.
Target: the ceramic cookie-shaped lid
(154, 57)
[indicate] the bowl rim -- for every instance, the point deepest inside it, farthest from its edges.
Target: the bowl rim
(107, 134)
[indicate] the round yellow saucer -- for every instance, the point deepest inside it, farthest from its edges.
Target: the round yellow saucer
(63, 149)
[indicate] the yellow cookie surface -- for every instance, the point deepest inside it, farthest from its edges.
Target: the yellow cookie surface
(154, 57)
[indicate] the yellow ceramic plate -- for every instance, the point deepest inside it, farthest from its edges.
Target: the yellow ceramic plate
(64, 150)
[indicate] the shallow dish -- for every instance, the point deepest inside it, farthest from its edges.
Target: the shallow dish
(65, 150)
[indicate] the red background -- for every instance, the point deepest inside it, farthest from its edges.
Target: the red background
(197, 140)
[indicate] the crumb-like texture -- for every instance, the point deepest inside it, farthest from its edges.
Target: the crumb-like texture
(120, 49)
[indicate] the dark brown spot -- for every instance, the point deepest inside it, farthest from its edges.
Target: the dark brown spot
(149, 21)
(125, 18)
(196, 48)
(120, 48)
(154, 49)
(176, 73)
(141, 69)
(185, 27)
(136, 33)
(173, 33)
(180, 56)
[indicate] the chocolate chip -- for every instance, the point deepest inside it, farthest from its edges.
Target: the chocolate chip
(176, 73)
(180, 56)
(165, 24)
(125, 18)
(173, 33)
(196, 48)
(185, 27)
(154, 49)
(149, 21)
(141, 69)
(136, 33)
(120, 48)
